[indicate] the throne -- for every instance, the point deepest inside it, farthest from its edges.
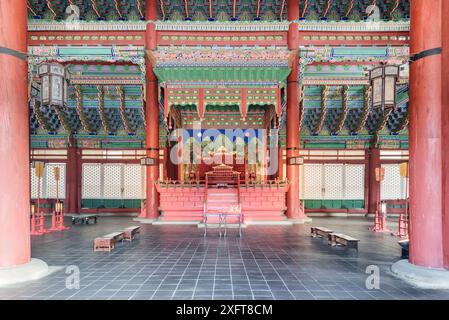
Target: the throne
(222, 176)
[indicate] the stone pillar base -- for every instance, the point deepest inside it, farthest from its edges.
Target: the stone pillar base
(33, 270)
(301, 220)
(145, 220)
(421, 277)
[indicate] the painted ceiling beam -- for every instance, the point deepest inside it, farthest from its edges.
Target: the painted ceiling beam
(385, 115)
(304, 11)
(320, 123)
(80, 110)
(343, 113)
(95, 8)
(139, 8)
(301, 107)
(186, 9)
(117, 8)
(211, 18)
(350, 7)
(50, 7)
(125, 120)
(395, 7)
(234, 10)
(327, 8)
(31, 9)
(161, 3)
(41, 119)
(282, 10)
(62, 116)
(258, 10)
(365, 111)
(101, 111)
(143, 106)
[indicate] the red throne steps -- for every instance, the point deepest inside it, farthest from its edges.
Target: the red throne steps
(261, 202)
(221, 200)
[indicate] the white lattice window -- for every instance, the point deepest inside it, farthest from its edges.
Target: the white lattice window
(34, 184)
(333, 182)
(355, 182)
(112, 181)
(92, 176)
(313, 181)
(393, 186)
(50, 181)
(132, 187)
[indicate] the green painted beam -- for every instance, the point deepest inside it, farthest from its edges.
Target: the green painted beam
(273, 74)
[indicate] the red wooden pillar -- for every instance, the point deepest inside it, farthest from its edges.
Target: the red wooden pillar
(14, 136)
(445, 120)
(294, 210)
(373, 184)
(426, 239)
(73, 179)
(293, 10)
(280, 163)
(152, 115)
(166, 161)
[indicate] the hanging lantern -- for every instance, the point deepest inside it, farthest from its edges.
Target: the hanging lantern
(383, 81)
(54, 84)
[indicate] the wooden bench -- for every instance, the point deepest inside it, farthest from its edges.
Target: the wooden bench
(130, 233)
(336, 239)
(84, 218)
(107, 242)
(320, 232)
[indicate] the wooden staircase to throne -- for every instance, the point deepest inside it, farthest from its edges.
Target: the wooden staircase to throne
(222, 192)
(185, 202)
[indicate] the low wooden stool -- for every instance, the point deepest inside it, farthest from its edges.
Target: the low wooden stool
(107, 242)
(336, 239)
(320, 232)
(130, 233)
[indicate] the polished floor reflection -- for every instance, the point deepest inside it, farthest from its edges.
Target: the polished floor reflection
(176, 262)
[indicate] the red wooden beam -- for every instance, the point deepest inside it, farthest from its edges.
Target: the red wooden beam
(94, 7)
(162, 9)
(328, 6)
(117, 8)
(139, 8)
(50, 6)
(304, 11)
(350, 7)
(210, 11)
(186, 8)
(258, 10)
(32, 11)
(396, 5)
(282, 10)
